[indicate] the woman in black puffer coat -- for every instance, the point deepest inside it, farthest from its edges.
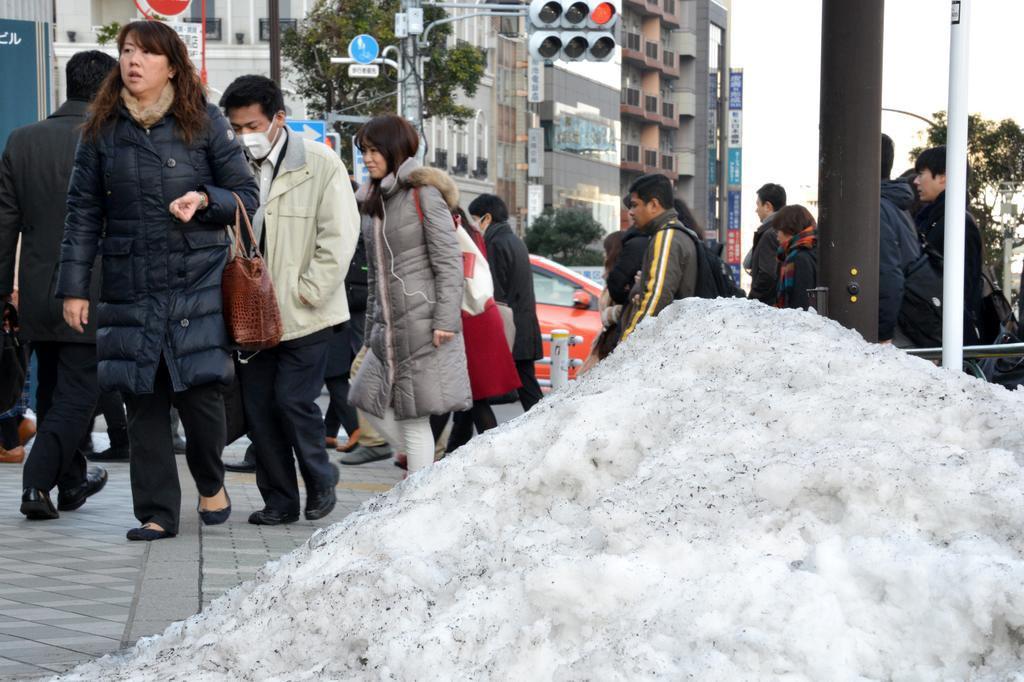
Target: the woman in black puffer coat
(152, 191)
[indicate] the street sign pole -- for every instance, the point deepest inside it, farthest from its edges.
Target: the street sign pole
(956, 189)
(274, 16)
(409, 86)
(202, 70)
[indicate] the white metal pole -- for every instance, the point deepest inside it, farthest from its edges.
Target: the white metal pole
(956, 189)
(1007, 261)
(559, 358)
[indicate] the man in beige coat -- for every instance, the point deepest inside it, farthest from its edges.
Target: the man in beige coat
(307, 226)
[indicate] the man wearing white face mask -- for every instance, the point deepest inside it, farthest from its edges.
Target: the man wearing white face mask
(307, 227)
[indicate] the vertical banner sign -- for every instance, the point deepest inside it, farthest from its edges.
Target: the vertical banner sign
(535, 86)
(534, 203)
(733, 248)
(535, 153)
(712, 128)
(192, 35)
(24, 74)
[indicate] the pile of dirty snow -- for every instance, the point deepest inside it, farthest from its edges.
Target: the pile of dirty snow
(737, 493)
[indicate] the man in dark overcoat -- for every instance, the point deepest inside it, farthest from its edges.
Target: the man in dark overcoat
(34, 173)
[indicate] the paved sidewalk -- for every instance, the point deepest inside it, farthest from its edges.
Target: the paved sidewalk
(74, 589)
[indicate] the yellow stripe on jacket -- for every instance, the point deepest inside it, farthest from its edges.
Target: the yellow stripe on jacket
(655, 280)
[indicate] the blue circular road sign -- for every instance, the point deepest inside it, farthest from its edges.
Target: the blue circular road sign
(364, 49)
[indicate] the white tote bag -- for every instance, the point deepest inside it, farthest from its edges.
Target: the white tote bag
(478, 287)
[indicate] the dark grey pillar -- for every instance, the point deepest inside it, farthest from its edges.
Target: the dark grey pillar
(850, 160)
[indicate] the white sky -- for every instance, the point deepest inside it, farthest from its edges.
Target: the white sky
(777, 43)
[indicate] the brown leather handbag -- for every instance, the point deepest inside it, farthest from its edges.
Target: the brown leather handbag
(250, 304)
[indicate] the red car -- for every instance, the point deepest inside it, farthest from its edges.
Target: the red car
(565, 300)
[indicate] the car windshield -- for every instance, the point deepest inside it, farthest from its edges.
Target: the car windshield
(550, 289)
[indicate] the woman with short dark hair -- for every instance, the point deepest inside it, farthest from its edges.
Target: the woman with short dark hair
(416, 366)
(798, 256)
(151, 190)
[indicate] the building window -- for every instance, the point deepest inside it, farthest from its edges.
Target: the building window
(480, 162)
(196, 10)
(286, 25)
(213, 23)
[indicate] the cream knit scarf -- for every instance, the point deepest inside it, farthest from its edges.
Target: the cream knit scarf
(147, 117)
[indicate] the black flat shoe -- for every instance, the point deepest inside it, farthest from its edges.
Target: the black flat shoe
(36, 505)
(214, 517)
(144, 534)
(320, 504)
(270, 517)
(70, 500)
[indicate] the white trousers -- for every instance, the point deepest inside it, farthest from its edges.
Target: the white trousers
(411, 436)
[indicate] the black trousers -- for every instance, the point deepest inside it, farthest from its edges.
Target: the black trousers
(529, 393)
(481, 416)
(279, 390)
(66, 398)
(156, 492)
(111, 406)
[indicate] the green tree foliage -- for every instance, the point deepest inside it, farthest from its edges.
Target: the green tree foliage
(327, 31)
(995, 154)
(565, 235)
(108, 34)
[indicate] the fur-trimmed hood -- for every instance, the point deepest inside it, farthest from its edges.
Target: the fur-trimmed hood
(434, 177)
(412, 174)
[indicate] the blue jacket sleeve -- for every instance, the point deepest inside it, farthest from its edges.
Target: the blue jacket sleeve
(83, 225)
(231, 173)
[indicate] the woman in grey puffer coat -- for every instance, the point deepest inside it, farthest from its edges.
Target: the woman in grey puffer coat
(416, 366)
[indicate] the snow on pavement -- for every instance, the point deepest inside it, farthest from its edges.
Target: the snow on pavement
(737, 493)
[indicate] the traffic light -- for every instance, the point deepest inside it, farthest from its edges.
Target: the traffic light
(572, 30)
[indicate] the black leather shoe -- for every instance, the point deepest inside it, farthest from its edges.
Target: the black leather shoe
(271, 517)
(320, 504)
(36, 505)
(243, 467)
(70, 500)
(115, 453)
(248, 463)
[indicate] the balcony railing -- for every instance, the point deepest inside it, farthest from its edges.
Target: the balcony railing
(650, 104)
(631, 153)
(440, 158)
(480, 172)
(631, 97)
(633, 41)
(286, 24)
(213, 30)
(461, 166)
(651, 158)
(668, 110)
(651, 50)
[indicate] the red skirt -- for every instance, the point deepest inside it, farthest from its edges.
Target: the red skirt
(492, 372)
